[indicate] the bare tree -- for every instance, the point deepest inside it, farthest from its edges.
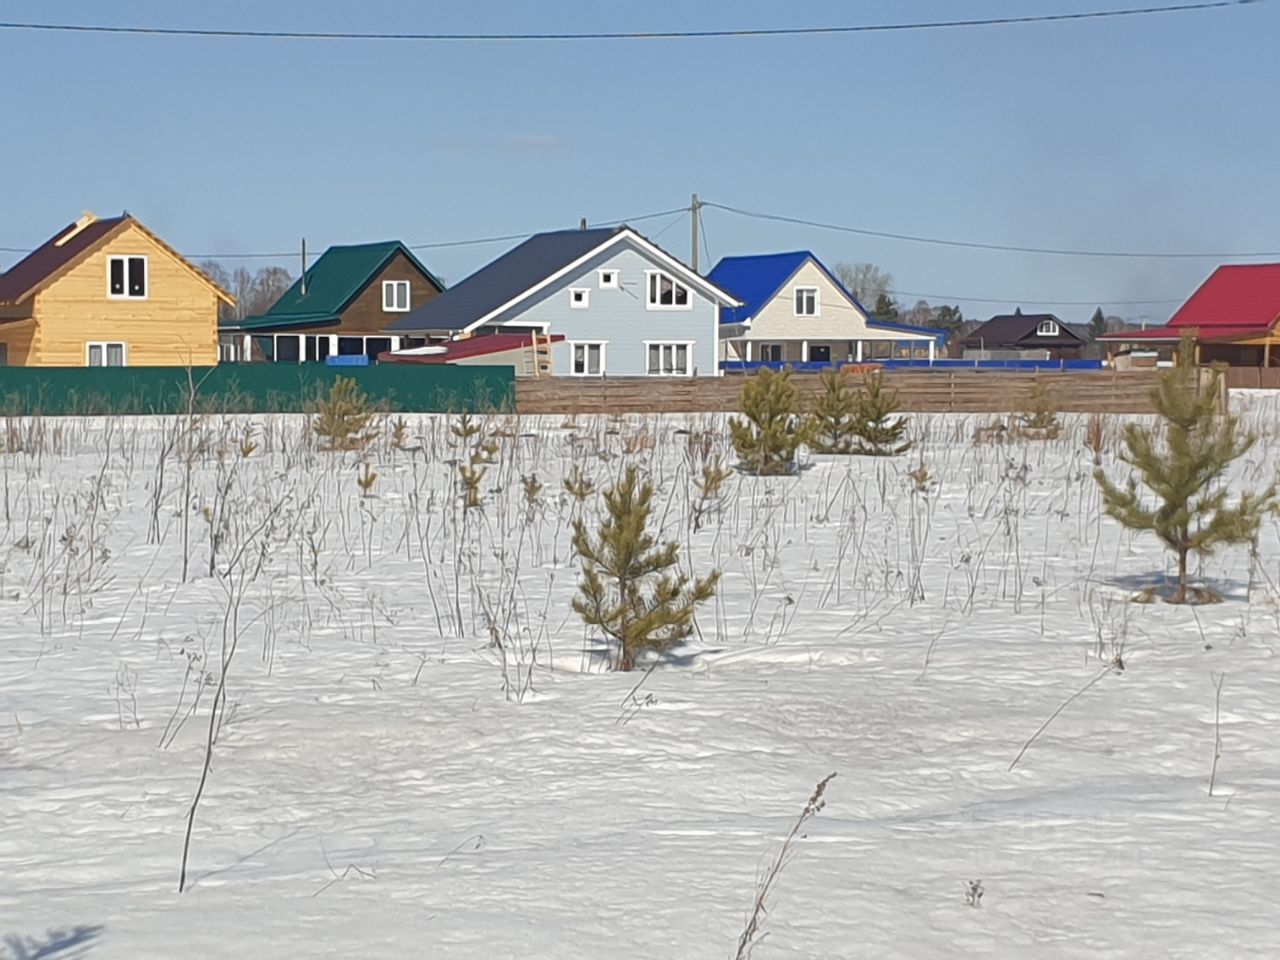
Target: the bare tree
(254, 292)
(865, 281)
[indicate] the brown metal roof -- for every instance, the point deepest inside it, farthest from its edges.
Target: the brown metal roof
(47, 259)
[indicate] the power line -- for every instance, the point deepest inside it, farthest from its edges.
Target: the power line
(1148, 10)
(935, 297)
(474, 241)
(1001, 247)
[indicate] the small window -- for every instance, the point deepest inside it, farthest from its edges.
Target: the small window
(105, 354)
(127, 278)
(395, 296)
(608, 279)
(666, 292)
(579, 298)
(668, 360)
(806, 301)
(588, 359)
(1047, 328)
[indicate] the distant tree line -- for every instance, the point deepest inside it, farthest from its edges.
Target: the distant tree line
(255, 292)
(873, 288)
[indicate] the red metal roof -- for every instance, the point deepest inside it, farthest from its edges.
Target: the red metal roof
(1235, 296)
(471, 347)
(50, 257)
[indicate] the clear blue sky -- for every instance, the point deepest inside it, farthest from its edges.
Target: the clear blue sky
(1144, 133)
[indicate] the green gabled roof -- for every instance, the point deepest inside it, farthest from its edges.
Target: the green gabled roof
(333, 282)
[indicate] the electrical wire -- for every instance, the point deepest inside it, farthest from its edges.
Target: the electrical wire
(1148, 10)
(1001, 247)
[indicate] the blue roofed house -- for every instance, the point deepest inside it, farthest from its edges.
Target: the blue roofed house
(624, 306)
(796, 311)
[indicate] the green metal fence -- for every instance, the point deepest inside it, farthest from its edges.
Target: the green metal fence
(250, 388)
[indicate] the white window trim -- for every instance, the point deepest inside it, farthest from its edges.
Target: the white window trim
(573, 298)
(613, 284)
(124, 349)
(1047, 328)
(408, 297)
(146, 277)
(663, 306)
(817, 301)
(604, 356)
(687, 344)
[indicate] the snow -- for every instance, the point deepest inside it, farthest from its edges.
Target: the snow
(387, 784)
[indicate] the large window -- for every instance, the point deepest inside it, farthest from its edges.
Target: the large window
(587, 358)
(105, 354)
(806, 301)
(667, 293)
(668, 359)
(395, 296)
(127, 278)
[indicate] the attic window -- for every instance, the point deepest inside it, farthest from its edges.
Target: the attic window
(127, 278)
(395, 296)
(579, 298)
(806, 301)
(667, 293)
(608, 279)
(1047, 328)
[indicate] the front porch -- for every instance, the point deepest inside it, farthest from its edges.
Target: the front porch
(301, 347)
(829, 351)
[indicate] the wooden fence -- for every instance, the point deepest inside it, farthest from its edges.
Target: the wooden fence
(919, 391)
(1253, 378)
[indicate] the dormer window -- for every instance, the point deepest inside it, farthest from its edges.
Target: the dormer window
(395, 296)
(127, 278)
(666, 292)
(806, 301)
(1047, 328)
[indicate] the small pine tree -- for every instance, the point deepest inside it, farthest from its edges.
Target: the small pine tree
(880, 433)
(628, 590)
(1039, 421)
(1097, 324)
(1182, 459)
(767, 440)
(833, 415)
(344, 419)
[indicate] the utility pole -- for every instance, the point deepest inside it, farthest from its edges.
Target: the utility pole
(303, 291)
(695, 212)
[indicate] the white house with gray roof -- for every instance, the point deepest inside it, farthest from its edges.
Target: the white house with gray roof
(625, 307)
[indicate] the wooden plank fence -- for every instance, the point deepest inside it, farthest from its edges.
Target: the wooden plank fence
(1253, 378)
(919, 391)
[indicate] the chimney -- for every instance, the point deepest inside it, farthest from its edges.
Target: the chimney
(582, 224)
(84, 221)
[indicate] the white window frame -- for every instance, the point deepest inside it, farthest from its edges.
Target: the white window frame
(771, 346)
(573, 349)
(389, 286)
(649, 289)
(609, 278)
(579, 298)
(146, 276)
(103, 345)
(662, 345)
(1047, 328)
(817, 301)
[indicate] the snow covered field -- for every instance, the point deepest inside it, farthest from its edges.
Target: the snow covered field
(421, 756)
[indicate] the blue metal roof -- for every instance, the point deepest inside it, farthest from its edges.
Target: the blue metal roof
(502, 281)
(756, 280)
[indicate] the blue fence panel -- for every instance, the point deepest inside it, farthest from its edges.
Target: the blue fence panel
(743, 366)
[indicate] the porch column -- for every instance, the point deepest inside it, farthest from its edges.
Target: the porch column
(395, 344)
(333, 345)
(932, 345)
(858, 353)
(302, 348)
(804, 351)
(1266, 354)
(247, 356)
(748, 351)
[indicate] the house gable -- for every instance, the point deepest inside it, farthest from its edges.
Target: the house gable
(174, 324)
(838, 317)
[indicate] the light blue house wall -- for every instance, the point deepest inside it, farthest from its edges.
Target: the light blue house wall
(620, 318)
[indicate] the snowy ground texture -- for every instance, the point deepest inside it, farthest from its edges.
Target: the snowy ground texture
(422, 757)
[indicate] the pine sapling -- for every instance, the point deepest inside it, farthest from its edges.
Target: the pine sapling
(833, 415)
(344, 419)
(630, 589)
(1039, 421)
(880, 433)
(1182, 460)
(767, 439)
